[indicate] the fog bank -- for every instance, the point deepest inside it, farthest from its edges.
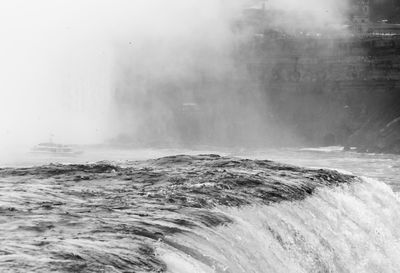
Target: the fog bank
(87, 71)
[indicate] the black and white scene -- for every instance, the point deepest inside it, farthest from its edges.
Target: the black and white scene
(200, 136)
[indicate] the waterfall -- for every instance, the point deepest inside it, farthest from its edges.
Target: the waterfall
(196, 214)
(351, 228)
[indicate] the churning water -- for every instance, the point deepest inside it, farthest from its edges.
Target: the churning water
(354, 228)
(203, 214)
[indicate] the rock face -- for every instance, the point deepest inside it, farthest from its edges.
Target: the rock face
(275, 88)
(333, 91)
(381, 133)
(109, 218)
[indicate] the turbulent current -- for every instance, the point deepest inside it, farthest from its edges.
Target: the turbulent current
(204, 213)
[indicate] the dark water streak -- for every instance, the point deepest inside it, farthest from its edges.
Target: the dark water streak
(105, 217)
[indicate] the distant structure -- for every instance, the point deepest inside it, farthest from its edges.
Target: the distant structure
(360, 16)
(264, 4)
(361, 20)
(385, 29)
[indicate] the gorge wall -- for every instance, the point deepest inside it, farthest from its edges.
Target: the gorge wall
(269, 77)
(333, 91)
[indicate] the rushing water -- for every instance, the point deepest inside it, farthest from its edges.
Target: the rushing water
(349, 229)
(202, 213)
(382, 167)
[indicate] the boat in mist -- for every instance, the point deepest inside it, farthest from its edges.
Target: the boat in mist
(54, 149)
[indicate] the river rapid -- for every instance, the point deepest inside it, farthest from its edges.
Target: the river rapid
(286, 210)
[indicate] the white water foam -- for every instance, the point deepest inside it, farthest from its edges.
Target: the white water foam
(352, 228)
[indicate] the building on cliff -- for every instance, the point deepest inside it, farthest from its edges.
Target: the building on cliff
(360, 16)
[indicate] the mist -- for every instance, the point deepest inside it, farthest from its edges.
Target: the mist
(311, 15)
(187, 81)
(55, 73)
(148, 70)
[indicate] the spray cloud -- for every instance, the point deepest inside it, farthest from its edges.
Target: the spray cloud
(86, 71)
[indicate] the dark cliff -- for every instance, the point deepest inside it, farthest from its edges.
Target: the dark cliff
(333, 91)
(271, 86)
